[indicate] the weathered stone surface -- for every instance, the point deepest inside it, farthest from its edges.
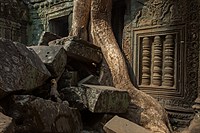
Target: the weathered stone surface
(39, 115)
(80, 49)
(98, 99)
(75, 96)
(20, 68)
(54, 57)
(13, 20)
(6, 124)
(106, 99)
(46, 37)
(194, 126)
(121, 125)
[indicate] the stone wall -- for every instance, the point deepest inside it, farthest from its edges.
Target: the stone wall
(13, 20)
(161, 42)
(53, 15)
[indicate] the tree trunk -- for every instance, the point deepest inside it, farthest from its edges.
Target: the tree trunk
(81, 12)
(150, 113)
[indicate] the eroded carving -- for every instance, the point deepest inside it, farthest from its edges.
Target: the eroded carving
(157, 61)
(168, 77)
(146, 61)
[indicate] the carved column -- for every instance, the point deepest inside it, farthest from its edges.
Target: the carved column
(146, 61)
(168, 78)
(157, 61)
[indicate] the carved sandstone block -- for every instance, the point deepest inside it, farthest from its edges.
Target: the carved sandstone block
(6, 124)
(106, 99)
(21, 69)
(54, 57)
(121, 125)
(79, 49)
(45, 116)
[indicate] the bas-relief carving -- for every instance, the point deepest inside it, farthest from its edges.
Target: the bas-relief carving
(13, 20)
(174, 42)
(159, 12)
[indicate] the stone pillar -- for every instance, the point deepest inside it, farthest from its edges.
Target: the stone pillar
(157, 61)
(146, 61)
(168, 78)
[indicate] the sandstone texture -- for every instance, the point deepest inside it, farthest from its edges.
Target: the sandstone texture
(21, 69)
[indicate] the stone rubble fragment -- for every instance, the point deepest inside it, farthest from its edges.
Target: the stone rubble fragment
(121, 125)
(6, 124)
(80, 49)
(45, 116)
(54, 57)
(98, 99)
(21, 69)
(46, 37)
(106, 99)
(75, 96)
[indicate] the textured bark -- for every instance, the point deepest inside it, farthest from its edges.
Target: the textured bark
(80, 18)
(151, 114)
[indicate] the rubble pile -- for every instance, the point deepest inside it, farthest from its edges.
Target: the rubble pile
(59, 86)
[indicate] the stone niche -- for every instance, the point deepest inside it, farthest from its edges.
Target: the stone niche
(13, 20)
(53, 15)
(161, 43)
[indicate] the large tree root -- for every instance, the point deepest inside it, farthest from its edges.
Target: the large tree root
(151, 114)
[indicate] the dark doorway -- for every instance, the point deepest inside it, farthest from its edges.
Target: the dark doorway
(118, 12)
(59, 26)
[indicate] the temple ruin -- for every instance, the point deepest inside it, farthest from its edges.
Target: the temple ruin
(158, 38)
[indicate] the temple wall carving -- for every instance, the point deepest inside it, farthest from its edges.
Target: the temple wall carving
(158, 61)
(49, 16)
(13, 20)
(161, 42)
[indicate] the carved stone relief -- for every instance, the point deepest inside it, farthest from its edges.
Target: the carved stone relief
(13, 20)
(162, 44)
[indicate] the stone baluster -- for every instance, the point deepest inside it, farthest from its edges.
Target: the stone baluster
(146, 61)
(168, 78)
(157, 61)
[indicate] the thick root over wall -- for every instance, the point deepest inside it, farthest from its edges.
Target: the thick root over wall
(150, 113)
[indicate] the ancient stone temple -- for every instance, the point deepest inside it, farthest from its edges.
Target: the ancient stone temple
(158, 38)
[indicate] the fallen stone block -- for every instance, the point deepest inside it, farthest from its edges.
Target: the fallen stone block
(46, 37)
(6, 124)
(121, 125)
(106, 99)
(98, 99)
(54, 57)
(45, 116)
(21, 69)
(80, 49)
(75, 96)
